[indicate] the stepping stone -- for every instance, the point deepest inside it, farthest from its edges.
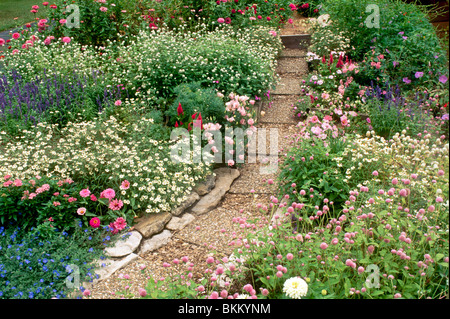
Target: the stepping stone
(296, 41)
(277, 139)
(289, 52)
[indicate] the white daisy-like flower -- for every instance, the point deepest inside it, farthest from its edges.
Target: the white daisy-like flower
(295, 288)
(243, 296)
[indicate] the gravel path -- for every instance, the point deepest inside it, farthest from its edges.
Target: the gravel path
(210, 234)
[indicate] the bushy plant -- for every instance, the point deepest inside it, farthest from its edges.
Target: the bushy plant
(225, 60)
(244, 13)
(53, 99)
(88, 22)
(309, 167)
(37, 264)
(101, 154)
(195, 99)
(403, 45)
(391, 112)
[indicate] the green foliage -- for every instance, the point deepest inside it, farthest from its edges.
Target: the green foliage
(405, 38)
(195, 99)
(310, 165)
(98, 22)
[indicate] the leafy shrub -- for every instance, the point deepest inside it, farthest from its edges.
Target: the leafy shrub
(405, 39)
(243, 13)
(195, 99)
(309, 167)
(239, 62)
(98, 21)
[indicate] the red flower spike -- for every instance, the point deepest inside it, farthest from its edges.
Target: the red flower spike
(180, 109)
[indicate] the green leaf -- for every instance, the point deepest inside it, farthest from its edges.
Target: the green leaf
(377, 293)
(439, 257)
(104, 201)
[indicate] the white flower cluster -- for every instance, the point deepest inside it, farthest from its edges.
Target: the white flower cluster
(103, 153)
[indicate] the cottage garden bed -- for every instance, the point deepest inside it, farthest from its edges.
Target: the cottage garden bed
(85, 122)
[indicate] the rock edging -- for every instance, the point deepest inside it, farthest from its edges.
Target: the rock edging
(154, 231)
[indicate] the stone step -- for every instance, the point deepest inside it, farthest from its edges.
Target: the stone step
(289, 84)
(280, 110)
(296, 41)
(293, 65)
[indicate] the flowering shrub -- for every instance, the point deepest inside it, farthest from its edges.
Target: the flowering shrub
(243, 13)
(97, 21)
(406, 41)
(335, 70)
(309, 172)
(226, 60)
(35, 264)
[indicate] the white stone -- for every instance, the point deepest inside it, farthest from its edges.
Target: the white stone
(155, 242)
(111, 266)
(124, 247)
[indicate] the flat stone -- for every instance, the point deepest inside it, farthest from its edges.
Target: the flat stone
(152, 224)
(224, 179)
(177, 223)
(206, 186)
(113, 265)
(155, 242)
(124, 247)
(192, 198)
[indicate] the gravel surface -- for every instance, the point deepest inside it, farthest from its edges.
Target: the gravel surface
(280, 111)
(292, 65)
(288, 84)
